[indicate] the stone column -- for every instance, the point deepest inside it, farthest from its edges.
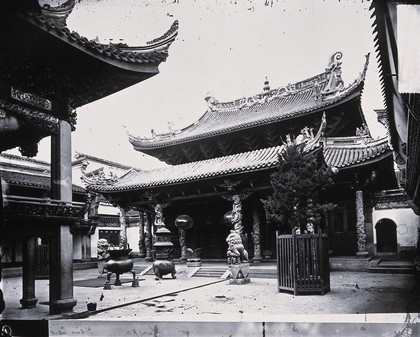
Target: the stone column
(123, 232)
(256, 236)
(147, 237)
(141, 235)
(237, 214)
(237, 254)
(183, 244)
(28, 270)
(61, 244)
(360, 225)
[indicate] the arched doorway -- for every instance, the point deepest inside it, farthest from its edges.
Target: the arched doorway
(386, 236)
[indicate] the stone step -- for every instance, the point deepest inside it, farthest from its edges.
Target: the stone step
(220, 271)
(389, 270)
(391, 266)
(209, 272)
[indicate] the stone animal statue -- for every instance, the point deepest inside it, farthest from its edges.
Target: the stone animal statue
(236, 251)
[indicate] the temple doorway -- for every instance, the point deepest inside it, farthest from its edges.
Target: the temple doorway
(386, 236)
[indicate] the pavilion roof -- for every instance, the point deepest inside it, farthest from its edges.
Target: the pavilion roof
(27, 172)
(47, 71)
(154, 51)
(338, 152)
(268, 107)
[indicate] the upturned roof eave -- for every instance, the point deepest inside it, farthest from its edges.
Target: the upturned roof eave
(260, 163)
(135, 187)
(379, 27)
(115, 190)
(149, 145)
(158, 51)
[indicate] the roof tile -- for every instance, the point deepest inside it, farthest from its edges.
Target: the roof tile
(336, 153)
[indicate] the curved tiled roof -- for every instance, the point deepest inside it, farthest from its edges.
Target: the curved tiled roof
(337, 153)
(271, 106)
(156, 51)
(42, 181)
(350, 151)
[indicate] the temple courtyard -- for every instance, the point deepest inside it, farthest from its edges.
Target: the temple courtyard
(204, 304)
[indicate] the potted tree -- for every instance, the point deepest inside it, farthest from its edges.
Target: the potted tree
(296, 208)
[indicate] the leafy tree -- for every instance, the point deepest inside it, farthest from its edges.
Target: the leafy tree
(297, 189)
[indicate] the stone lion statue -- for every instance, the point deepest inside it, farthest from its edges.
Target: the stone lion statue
(102, 249)
(236, 251)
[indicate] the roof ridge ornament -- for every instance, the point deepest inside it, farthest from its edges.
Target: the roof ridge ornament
(171, 33)
(324, 85)
(96, 177)
(58, 14)
(333, 71)
(306, 138)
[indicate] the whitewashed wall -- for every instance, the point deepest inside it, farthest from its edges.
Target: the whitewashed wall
(407, 224)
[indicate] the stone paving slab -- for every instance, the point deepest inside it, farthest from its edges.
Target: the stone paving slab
(358, 328)
(355, 297)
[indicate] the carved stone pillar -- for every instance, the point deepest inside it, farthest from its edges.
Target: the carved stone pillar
(183, 244)
(256, 236)
(360, 225)
(237, 254)
(147, 237)
(183, 222)
(237, 214)
(123, 232)
(141, 235)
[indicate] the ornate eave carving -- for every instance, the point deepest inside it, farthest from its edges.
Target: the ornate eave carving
(36, 119)
(391, 199)
(36, 207)
(31, 99)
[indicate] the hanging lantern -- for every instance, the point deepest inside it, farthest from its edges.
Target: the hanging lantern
(184, 222)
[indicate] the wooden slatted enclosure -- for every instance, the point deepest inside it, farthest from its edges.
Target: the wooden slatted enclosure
(303, 263)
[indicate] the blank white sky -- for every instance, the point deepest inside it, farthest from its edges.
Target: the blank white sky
(224, 48)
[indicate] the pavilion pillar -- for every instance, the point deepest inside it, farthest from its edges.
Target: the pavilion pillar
(61, 243)
(183, 244)
(28, 271)
(147, 237)
(360, 225)
(123, 232)
(256, 235)
(141, 235)
(237, 214)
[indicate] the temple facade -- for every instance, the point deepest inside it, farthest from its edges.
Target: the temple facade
(221, 165)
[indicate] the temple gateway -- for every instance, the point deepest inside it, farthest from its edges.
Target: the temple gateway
(221, 165)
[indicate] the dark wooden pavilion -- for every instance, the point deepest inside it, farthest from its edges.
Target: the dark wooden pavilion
(399, 65)
(46, 72)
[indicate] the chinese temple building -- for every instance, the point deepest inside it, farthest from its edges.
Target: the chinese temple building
(222, 164)
(46, 72)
